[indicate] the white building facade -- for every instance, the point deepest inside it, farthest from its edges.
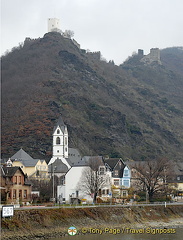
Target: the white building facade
(69, 191)
(53, 25)
(60, 143)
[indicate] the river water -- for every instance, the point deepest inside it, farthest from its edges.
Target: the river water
(133, 234)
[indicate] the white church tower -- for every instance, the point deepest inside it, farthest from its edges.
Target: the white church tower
(60, 142)
(60, 139)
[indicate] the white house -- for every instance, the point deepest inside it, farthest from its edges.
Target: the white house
(69, 191)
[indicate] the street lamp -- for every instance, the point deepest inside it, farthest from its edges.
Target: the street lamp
(53, 168)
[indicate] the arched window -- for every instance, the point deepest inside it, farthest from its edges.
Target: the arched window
(57, 140)
(58, 131)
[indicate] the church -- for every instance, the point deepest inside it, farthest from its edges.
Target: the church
(63, 157)
(67, 164)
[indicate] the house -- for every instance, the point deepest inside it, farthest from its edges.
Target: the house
(15, 186)
(84, 180)
(176, 181)
(34, 168)
(120, 176)
(69, 191)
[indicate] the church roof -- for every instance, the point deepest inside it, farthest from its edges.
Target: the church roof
(85, 161)
(74, 156)
(60, 124)
(21, 155)
(59, 166)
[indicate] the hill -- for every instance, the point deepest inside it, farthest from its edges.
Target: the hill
(132, 110)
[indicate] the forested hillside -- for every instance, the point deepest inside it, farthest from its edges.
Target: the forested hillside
(132, 110)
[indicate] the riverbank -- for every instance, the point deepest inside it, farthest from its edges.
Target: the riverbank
(47, 223)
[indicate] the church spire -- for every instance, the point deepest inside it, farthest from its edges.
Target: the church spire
(60, 124)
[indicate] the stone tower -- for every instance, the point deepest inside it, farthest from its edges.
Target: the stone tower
(53, 25)
(153, 56)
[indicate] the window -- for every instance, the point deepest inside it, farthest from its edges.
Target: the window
(178, 178)
(116, 182)
(65, 140)
(103, 191)
(62, 180)
(25, 193)
(107, 191)
(15, 181)
(126, 173)
(66, 149)
(58, 151)
(101, 170)
(58, 131)
(9, 194)
(20, 194)
(14, 194)
(20, 180)
(116, 172)
(57, 140)
(126, 183)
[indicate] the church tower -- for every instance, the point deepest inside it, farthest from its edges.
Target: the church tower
(60, 143)
(60, 140)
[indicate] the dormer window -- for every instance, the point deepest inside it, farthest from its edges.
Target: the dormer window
(58, 131)
(57, 140)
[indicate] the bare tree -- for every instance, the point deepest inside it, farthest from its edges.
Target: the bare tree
(93, 178)
(152, 176)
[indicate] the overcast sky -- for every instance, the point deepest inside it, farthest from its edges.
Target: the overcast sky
(117, 28)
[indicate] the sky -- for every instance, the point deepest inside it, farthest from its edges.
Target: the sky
(117, 28)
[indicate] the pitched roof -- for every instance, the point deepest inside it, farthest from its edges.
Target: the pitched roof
(85, 161)
(74, 156)
(10, 171)
(28, 163)
(21, 155)
(60, 124)
(2, 173)
(112, 162)
(59, 166)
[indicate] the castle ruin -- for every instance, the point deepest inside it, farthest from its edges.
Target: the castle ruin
(153, 56)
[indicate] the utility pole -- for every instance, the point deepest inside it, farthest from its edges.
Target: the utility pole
(53, 168)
